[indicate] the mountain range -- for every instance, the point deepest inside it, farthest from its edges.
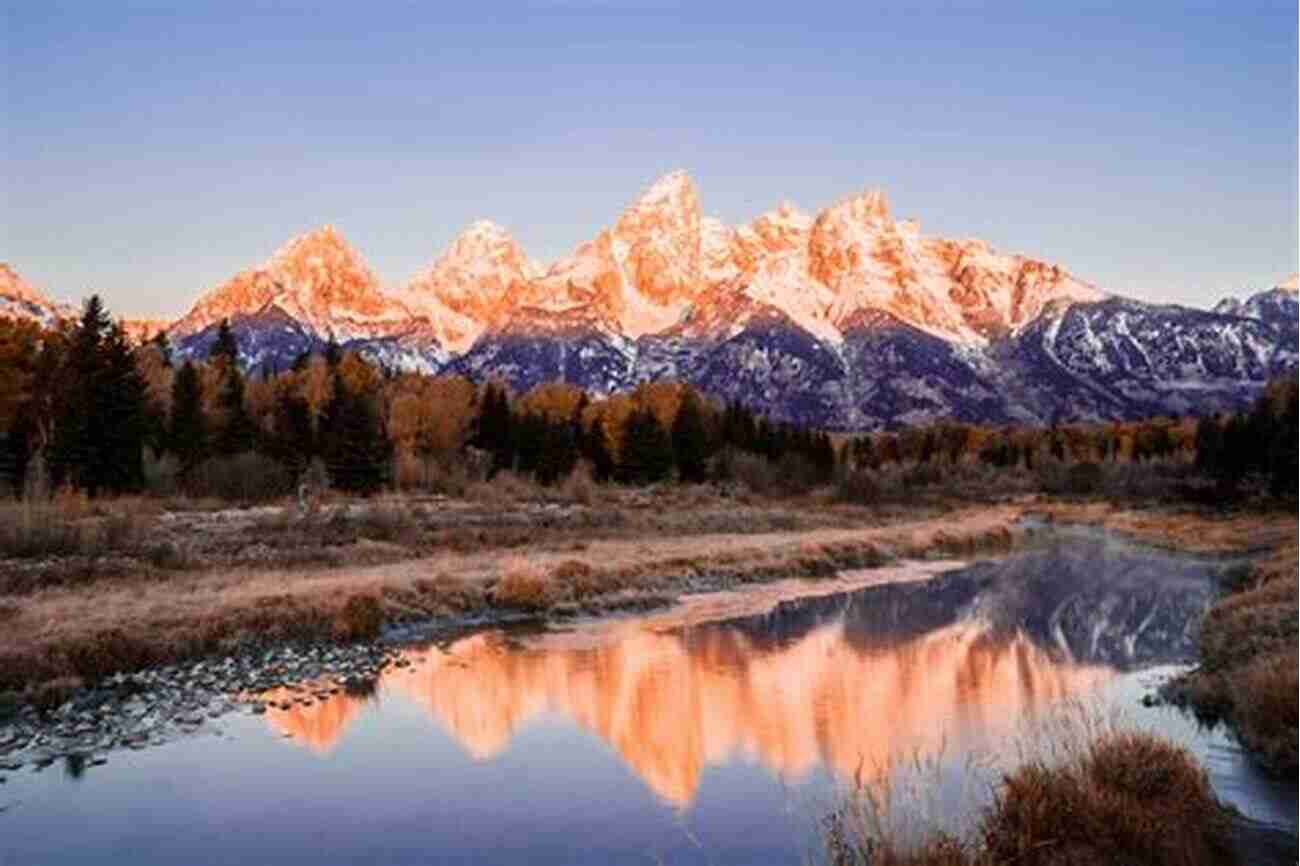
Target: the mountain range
(847, 319)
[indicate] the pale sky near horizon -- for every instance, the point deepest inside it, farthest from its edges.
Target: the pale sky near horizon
(151, 152)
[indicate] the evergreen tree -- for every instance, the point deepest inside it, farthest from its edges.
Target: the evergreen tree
(493, 432)
(864, 453)
(1283, 457)
(164, 346)
(690, 440)
(647, 454)
(333, 353)
(559, 451)
(120, 418)
(71, 448)
(1209, 445)
(596, 450)
(355, 444)
(294, 442)
(187, 432)
(237, 433)
(225, 350)
(823, 457)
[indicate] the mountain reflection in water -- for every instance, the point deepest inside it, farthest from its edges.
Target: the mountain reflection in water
(852, 682)
(673, 703)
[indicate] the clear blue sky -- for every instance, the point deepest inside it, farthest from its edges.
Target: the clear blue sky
(149, 152)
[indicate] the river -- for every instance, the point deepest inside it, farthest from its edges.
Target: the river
(716, 733)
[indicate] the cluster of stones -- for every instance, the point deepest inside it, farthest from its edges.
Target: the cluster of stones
(154, 706)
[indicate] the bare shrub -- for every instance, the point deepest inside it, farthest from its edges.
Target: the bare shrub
(505, 487)
(579, 486)
(29, 530)
(858, 487)
(758, 474)
(244, 478)
(1083, 479)
(430, 474)
(922, 475)
(162, 473)
(384, 521)
(36, 481)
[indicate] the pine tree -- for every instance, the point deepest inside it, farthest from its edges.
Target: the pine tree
(237, 433)
(294, 440)
(187, 433)
(1209, 445)
(120, 418)
(493, 432)
(690, 440)
(71, 447)
(596, 451)
(647, 454)
(356, 446)
(1284, 452)
(164, 346)
(225, 350)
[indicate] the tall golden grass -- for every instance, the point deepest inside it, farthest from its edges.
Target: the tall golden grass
(1115, 797)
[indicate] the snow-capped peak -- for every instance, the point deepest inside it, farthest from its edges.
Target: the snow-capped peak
(20, 299)
(670, 187)
(318, 279)
(12, 285)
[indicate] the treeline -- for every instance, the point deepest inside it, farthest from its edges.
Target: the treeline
(1227, 456)
(81, 407)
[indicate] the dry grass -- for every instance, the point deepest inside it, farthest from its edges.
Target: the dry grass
(360, 619)
(505, 488)
(1133, 798)
(1123, 797)
(91, 630)
(69, 526)
(524, 586)
(1249, 661)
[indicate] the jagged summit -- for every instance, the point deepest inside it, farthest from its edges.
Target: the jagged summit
(19, 299)
(668, 187)
(318, 279)
(847, 317)
(12, 285)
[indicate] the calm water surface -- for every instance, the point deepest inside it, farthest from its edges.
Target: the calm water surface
(654, 740)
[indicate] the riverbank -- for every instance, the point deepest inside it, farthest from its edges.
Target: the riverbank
(60, 636)
(286, 641)
(1247, 675)
(1247, 671)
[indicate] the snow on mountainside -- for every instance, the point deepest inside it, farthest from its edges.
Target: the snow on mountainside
(316, 279)
(482, 278)
(846, 318)
(19, 299)
(315, 289)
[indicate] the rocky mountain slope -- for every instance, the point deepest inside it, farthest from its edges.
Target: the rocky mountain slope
(848, 318)
(19, 299)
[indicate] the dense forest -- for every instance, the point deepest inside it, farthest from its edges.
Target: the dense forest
(81, 407)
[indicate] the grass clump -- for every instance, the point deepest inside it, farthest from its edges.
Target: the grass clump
(524, 586)
(1249, 662)
(30, 530)
(1127, 797)
(361, 618)
(1131, 798)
